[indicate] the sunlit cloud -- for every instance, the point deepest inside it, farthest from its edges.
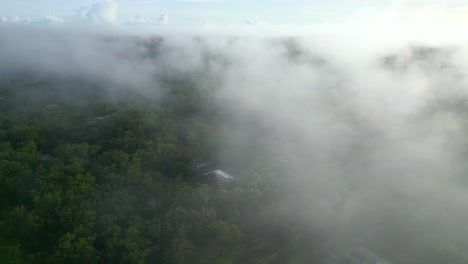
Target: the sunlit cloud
(104, 11)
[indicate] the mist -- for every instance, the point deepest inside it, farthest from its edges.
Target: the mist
(362, 133)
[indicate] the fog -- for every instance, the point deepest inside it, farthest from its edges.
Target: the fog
(366, 132)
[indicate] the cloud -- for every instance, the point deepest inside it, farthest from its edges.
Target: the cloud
(163, 19)
(139, 20)
(205, 22)
(16, 20)
(254, 21)
(49, 19)
(143, 20)
(44, 20)
(364, 133)
(104, 11)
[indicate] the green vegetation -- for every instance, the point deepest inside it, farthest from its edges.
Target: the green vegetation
(90, 176)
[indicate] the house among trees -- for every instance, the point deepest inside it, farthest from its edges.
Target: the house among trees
(103, 117)
(220, 175)
(356, 255)
(206, 169)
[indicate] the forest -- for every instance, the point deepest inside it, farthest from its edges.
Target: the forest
(114, 169)
(93, 178)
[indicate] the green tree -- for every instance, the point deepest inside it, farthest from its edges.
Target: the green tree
(224, 234)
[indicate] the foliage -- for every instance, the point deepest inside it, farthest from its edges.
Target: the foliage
(99, 175)
(89, 179)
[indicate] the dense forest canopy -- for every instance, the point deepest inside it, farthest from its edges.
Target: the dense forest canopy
(103, 139)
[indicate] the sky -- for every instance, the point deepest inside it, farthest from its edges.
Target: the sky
(234, 12)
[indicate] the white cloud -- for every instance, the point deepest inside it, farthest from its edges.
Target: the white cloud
(255, 21)
(204, 22)
(49, 19)
(104, 11)
(139, 20)
(142, 20)
(332, 119)
(163, 19)
(16, 20)
(44, 20)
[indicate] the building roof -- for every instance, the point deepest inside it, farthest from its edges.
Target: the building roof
(103, 117)
(220, 174)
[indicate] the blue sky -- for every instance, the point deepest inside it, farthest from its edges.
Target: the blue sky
(180, 12)
(188, 11)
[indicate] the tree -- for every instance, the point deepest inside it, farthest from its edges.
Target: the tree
(180, 247)
(224, 234)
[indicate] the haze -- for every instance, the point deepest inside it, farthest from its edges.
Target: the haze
(362, 128)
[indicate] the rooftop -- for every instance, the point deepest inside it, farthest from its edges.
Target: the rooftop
(220, 174)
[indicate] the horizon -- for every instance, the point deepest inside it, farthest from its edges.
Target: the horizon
(189, 13)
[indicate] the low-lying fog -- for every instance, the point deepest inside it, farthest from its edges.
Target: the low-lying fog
(368, 133)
